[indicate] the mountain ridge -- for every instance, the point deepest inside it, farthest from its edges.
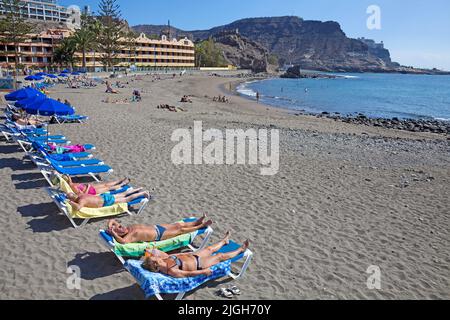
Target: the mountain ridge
(311, 44)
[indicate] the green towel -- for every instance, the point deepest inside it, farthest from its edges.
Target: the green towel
(137, 250)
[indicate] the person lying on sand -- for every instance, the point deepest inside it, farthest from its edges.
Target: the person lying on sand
(151, 233)
(186, 99)
(170, 108)
(192, 264)
(104, 200)
(96, 188)
(118, 101)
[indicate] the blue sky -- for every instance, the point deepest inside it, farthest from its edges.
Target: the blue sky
(416, 32)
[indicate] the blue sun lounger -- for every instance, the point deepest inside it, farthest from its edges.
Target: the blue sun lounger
(92, 171)
(60, 200)
(124, 251)
(9, 132)
(157, 284)
(26, 143)
(71, 119)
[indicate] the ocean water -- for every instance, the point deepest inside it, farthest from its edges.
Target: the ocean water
(374, 95)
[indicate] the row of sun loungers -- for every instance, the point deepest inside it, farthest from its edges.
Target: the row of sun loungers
(35, 144)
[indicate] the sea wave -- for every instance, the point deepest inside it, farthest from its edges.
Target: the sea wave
(443, 119)
(245, 90)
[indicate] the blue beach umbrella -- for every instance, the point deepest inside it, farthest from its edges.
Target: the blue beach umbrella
(63, 75)
(49, 107)
(30, 101)
(76, 73)
(22, 94)
(66, 71)
(34, 78)
(40, 74)
(52, 76)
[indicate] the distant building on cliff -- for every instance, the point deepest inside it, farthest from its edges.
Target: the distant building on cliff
(371, 43)
(42, 10)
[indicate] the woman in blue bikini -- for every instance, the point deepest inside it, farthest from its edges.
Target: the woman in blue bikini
(145, 233)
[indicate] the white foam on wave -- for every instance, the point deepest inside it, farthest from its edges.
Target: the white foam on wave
(243, 89)
(442, 119)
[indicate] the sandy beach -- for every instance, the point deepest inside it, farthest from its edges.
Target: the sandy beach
(346, 197)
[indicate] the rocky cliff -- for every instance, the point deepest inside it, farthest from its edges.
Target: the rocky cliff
(310, 44)
(242, 52)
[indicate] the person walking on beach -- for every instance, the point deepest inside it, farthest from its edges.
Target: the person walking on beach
(257, 97)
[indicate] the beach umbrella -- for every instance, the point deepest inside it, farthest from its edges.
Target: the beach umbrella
(63, 75)
(34, 78)
(22, 94)
(30, 101)
(49, 107)
(40, 74)
(66, 71)
(76, 73)
(52, 76)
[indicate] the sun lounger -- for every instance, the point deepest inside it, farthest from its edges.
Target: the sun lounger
(157, 284)
(92, 171)
(86, 214)
(71, 119)
(26, 143)
(9, 131)
(137, 250)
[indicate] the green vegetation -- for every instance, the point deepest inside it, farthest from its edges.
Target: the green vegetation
(64, 54)
(110, 33)
(273, 60)
(207, 54)
(14, 28)
(85, 38)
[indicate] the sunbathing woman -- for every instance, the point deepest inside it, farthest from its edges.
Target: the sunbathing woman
(185, 265)
(104, 200)
(142, 233)
(97, 188)
(109, 89)
(23, 123)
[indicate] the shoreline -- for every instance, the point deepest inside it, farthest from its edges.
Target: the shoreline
(425, 125)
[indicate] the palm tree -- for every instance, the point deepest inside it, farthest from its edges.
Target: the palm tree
(64, 54)
(84, 39)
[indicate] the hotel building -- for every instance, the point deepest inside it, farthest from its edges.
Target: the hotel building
(43, 10)
(144, 53)
(149, 53)
(36, 52)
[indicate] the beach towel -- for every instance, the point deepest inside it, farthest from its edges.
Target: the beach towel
(60, 157)
(67, 149)
(137, 250)
(91, 213)
(157, 283)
